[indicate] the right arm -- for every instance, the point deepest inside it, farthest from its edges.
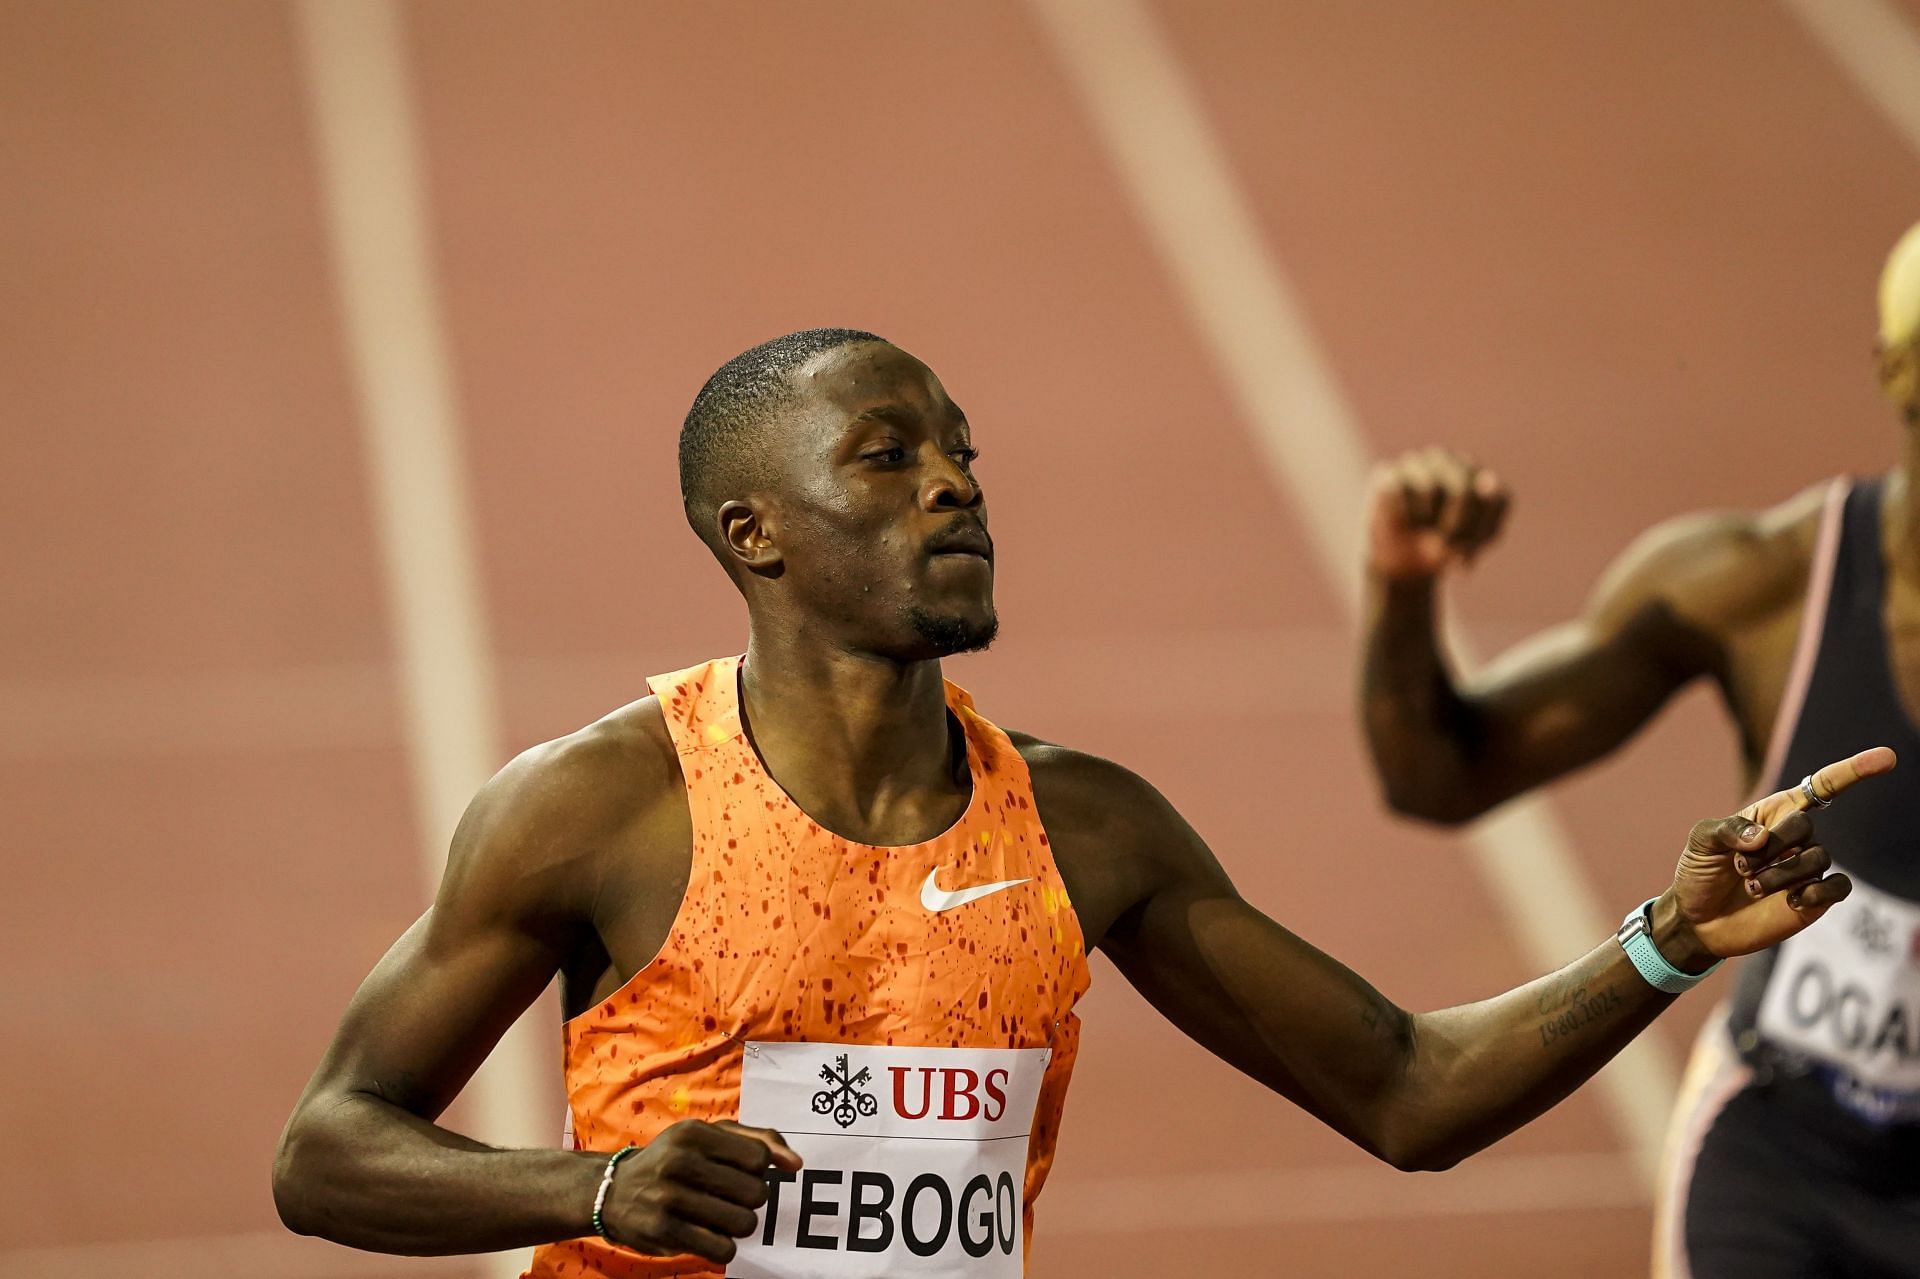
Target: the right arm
(1449, 748)
(1420, 1090)
(362, 1161)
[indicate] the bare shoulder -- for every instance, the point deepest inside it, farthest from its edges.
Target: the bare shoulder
(1719, 571)
(537, 831)
(1082, 791)
(1116, 839)
(1091, 803)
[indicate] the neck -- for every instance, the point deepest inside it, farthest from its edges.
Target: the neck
(855, 739)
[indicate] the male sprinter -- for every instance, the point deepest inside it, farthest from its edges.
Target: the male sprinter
(822, 927)
(1807, 617)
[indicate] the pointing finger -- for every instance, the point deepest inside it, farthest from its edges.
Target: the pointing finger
(1826, 783)
(1834, 778)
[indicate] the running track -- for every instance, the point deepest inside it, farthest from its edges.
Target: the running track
(1625, 253)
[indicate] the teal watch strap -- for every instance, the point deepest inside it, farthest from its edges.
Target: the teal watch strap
(1636, 938)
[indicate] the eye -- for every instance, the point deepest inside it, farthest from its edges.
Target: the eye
(967, 455)
(887, 455)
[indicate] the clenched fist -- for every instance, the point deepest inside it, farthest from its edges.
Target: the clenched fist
(1429, 510)
(695, 1189)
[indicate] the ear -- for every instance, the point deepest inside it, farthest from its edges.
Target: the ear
(1899, 370)
(749, 536)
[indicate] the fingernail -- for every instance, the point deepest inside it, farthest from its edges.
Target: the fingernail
(1753, 886)
(1740, 864)
(1750, 831)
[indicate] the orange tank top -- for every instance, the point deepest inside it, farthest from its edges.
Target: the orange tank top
(904, 1016)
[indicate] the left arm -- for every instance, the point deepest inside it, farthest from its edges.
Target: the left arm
(1419, 1090)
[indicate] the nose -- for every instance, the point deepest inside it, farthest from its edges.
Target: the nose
(948, 487)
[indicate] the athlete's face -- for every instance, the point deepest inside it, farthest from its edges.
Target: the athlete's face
(881, 525)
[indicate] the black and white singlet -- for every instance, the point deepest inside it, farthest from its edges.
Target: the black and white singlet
(1795, 1147)
(1842, 1000)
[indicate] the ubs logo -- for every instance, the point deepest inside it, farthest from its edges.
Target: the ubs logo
(959, 1094)
(842, 1097)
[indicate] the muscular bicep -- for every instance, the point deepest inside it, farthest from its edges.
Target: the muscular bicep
(1152, 896)
(432, 1009)
(1268, 1003)
(501, 925)
(1573, 693)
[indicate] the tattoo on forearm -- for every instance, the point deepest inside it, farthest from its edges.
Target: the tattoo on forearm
(1572, 1007)
(1561, 993)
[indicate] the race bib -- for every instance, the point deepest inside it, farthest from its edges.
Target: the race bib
(1847, 991)
(916, 1160)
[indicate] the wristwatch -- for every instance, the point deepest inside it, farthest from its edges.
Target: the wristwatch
(1636, 938)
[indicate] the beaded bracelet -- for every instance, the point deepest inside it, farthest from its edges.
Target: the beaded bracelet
(606, 1184)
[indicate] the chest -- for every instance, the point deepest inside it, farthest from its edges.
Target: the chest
(770, 927)
(814, 938)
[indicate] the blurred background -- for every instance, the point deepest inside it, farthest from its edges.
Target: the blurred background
(343, 353)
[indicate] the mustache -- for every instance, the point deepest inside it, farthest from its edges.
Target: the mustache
(962, 536)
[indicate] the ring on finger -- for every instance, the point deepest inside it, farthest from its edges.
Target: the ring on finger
(1813, 798)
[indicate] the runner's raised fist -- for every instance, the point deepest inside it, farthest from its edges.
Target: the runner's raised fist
(1429, 510)
(1751, 881)
(696, 1188)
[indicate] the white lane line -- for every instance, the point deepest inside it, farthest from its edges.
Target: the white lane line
(1146, 114)
(1224, 1200)
(1875, 41)
(375, 205)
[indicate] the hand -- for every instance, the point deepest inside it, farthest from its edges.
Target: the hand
(1751, 881)
(694, 1189)
(1430, 510)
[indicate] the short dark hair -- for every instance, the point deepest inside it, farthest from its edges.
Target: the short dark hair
(717, 448)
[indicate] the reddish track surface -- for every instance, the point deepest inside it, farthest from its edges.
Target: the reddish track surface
(1624, 253)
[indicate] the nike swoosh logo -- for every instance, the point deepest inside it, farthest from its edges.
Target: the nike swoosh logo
(936, 899)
